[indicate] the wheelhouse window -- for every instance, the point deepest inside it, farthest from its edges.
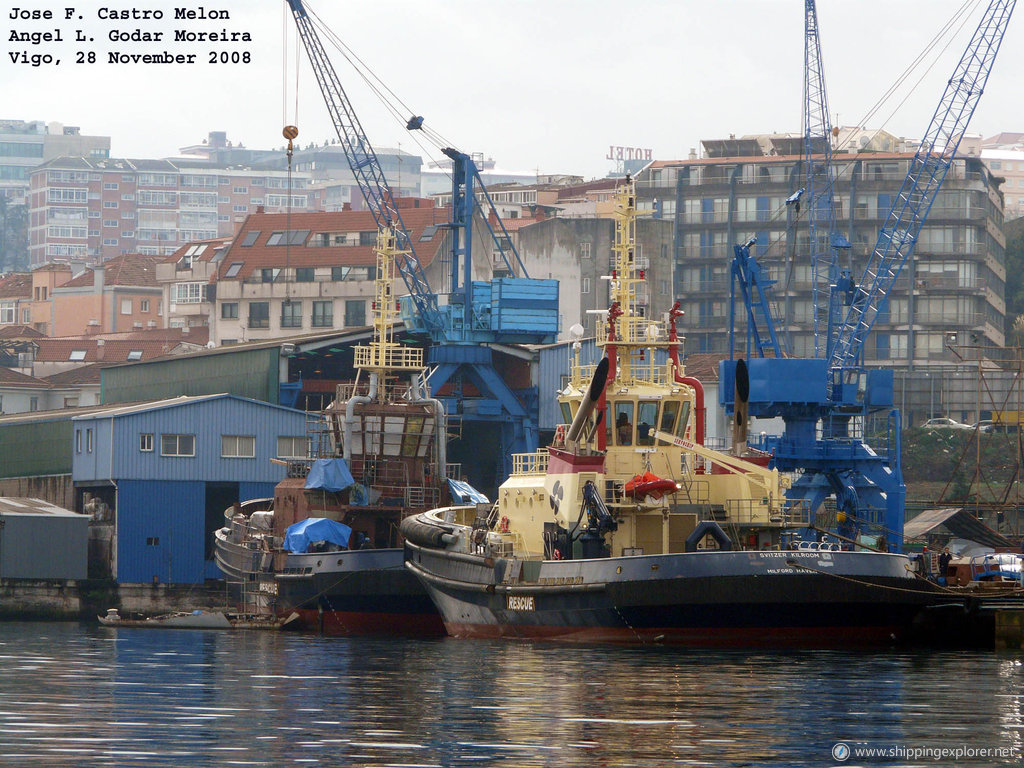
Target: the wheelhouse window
(646, 418)
(177, 445)
(623, 427)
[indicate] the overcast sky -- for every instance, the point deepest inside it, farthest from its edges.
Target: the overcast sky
(545, 86)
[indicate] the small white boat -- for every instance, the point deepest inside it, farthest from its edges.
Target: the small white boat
(177, 620)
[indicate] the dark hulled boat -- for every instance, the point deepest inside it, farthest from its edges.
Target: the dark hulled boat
(629, 529)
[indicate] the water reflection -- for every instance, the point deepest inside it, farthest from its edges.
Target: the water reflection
(78, 695)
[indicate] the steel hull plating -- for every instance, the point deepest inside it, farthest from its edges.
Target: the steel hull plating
(361, 592)
(700, 598)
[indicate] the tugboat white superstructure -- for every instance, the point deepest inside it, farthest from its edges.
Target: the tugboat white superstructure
(629, 529)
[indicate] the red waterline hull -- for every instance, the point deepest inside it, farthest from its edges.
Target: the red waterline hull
(354, 623)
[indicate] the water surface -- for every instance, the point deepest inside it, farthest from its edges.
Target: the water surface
(80, 695)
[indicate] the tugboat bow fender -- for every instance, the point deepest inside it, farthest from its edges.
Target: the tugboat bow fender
(425, 534)
(516, 589)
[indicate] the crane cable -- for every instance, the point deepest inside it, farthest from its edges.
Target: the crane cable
(961, 15)
(399, 110)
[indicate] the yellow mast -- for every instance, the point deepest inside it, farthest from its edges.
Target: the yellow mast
(384, 355)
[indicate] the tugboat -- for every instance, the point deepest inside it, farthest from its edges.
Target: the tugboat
(628, 529)
(327, 548)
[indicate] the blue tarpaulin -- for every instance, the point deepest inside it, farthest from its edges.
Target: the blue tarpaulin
(299, 536)
(464, 493)
(329, 475)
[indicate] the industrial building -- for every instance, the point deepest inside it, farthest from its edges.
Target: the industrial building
(167, 470)
(39, 540)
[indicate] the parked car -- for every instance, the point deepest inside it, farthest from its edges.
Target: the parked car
(945, 423)
(985, 425)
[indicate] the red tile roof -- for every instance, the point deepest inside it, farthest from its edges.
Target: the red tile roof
(132, 269)
(116, 351)
(259, 255)
(20, 332)
(207, 253)
(704, 365)
(17, 285)
(9, 376)
(513, 225)
(78, 376)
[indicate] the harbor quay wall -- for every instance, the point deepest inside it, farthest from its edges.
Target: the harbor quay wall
(57, 600)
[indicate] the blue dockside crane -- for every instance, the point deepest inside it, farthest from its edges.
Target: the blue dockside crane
(478, 314)
(826, 401)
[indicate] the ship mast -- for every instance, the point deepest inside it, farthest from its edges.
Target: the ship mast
(384, 356)
(628, 334)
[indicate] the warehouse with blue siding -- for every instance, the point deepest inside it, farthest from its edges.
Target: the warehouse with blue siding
(169, 469)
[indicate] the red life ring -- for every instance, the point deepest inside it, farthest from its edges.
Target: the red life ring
(503, 525)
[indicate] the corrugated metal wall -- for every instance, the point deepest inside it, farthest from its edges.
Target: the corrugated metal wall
(36, 448)
(44, 546)
(160, 532)
(250, 373)
(208, 420)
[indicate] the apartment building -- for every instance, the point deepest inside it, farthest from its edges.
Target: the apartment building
(1004, 156)
(284, 275)
(15, 299)
(94, 210)
(119, 295)
(954, 283)
(26, 144)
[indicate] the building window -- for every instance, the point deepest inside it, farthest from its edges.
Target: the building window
(146, 442)
(177, 445)
(88, 440)
(323, 314)
(126, 306)
(584, 250)
(268, 275)
(293, 447)
(291, 314)
(188, 293)
(144, 305)
(77, 354)
(33, 403)
(304, 275)
(235, 268)
(8, 312)
(259, 314)
(238, 446)
(78, 441)
(585, 285)
(152, 541)
(355, 312)
(229, 310)
(135, 354)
